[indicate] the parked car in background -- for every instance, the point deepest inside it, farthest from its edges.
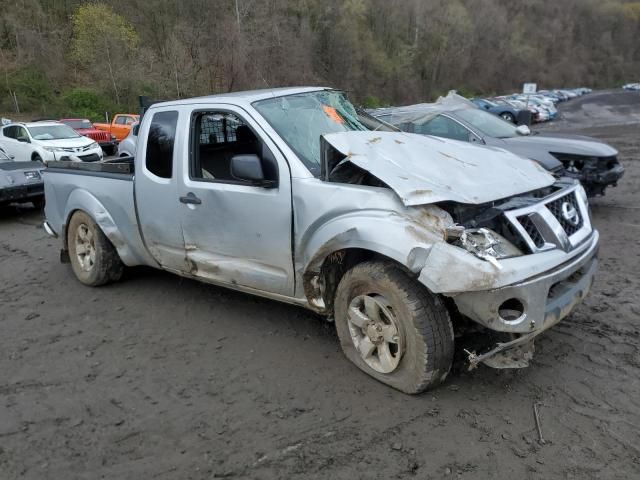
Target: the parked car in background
(587, 159)
(84, 127)
(632, 86)
(546, 108)
(504, 111)
(127, 147)
(47, 141)
(21, 182)
(287, 194)
(538, 114)
(120, 125)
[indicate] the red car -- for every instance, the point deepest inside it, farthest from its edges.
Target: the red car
(85, 128)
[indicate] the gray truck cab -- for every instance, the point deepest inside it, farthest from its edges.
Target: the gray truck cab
(402, 239)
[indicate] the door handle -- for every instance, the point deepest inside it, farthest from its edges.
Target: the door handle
(190, 198)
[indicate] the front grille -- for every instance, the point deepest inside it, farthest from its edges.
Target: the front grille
(556, 209)
(99, 136)
(531, 230)
(559, 221)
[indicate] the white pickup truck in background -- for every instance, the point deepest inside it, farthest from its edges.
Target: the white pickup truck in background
(293, 195)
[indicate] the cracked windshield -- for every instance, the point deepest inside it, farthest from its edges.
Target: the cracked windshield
(302, 119)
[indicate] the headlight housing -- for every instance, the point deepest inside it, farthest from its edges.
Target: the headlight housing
(93, 145)
(53, 149)
(483, 243)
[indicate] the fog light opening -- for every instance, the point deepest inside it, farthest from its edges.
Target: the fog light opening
(511, 310)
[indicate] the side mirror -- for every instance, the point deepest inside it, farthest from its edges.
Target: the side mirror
(523, 130)
(249, 168)
(23, 139)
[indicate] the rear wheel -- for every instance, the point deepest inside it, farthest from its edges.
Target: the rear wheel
(94, 260)
(393, 328)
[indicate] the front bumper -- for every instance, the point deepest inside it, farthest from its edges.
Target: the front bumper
(21, 193)
(545, 299)
(607, 177)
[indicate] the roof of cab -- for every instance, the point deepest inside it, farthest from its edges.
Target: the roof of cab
(244, 98)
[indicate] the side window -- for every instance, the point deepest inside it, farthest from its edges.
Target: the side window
(219, 136)
(21, 133)
(443, 127)
(121, 120)
(9, 132)
(162, 134)
(129, 120)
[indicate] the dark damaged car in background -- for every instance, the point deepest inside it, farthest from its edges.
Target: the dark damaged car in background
(20, 182)
(404, 240)
(594, 163)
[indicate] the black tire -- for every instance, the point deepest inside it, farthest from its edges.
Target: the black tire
(36, 158)
(106, 265)
(110, 151)
(38, 203)
(421, 317)
(508, 117)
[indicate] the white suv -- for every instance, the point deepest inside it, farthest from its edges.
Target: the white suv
(47, 141)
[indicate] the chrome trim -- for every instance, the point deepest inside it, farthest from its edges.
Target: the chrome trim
(548, 225)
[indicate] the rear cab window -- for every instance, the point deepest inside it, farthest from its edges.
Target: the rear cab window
(160, 143)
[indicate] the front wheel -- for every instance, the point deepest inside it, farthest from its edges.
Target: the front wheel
(94, 259)
(508, 117)
(393, 328)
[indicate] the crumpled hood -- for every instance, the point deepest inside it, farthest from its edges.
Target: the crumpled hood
(424, 169)
(561, 143)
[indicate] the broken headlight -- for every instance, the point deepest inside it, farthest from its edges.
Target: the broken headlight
(483, 243)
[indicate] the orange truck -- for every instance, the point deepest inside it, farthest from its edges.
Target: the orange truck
(120, 125)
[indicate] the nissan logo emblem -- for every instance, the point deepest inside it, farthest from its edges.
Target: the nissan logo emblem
(570, 214)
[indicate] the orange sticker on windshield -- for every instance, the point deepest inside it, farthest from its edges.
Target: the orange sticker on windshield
(332, 114)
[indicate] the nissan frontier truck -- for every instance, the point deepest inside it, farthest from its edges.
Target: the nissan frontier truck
(292, 194)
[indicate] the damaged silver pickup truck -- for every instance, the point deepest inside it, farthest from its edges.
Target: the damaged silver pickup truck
(405, 240)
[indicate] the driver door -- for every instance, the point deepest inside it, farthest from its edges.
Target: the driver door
(236, 232)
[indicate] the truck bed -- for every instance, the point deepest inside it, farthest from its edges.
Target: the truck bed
(103, 190)
(122, 165)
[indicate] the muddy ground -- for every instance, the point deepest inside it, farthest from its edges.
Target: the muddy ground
(165, 378)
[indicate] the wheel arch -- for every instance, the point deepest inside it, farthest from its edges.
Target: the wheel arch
(320, 282)
(330, 250)
(81, 200)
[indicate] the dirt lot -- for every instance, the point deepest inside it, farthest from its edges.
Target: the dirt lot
(161, 377)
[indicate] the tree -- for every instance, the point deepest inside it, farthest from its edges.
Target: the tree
(101, 36)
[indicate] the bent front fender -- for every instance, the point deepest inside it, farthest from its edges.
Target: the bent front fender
(405, 238)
